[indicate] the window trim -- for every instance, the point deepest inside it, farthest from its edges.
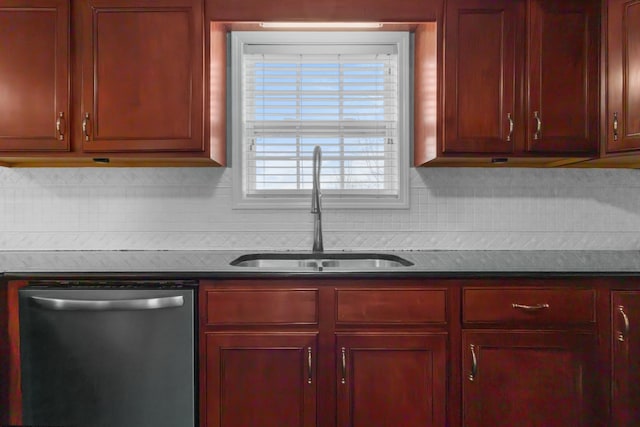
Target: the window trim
(340, 201)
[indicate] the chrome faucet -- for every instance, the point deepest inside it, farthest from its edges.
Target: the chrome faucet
(316, 205)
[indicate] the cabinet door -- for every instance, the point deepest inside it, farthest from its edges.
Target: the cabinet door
(260, 380)
(563, 76)
(483, 39)
(142, 74)
(34, 75)
(528, 379)
(391, 380)
(626, 359)
(623, 35)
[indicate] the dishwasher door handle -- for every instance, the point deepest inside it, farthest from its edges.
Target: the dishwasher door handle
(61, 304)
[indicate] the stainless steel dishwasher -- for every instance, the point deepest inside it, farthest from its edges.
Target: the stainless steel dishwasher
(108, 354)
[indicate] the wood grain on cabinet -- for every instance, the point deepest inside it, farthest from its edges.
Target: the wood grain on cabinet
(563, 79)
(542, 308)
(262, 306)
(625, 335)
(482, 62)
(324, 10)
(260, 380)
(142, 76)
(532, 378)
(391, 379)
(34, 70)
(623, 76)
(390, 306)
(521, 83)
(4, 355)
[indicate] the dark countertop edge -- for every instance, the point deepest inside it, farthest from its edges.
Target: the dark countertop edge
(172, 275)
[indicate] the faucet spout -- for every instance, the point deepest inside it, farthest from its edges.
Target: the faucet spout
(316, 203)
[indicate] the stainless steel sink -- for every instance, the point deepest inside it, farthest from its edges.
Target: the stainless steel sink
(321, 261)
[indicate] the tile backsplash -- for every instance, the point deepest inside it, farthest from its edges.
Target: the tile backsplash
(190, 209)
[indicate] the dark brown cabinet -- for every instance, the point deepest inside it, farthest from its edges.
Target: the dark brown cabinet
(529, 356)
(521, 79)
(118, 81)
(531, 378)
(265, 380)
(34, 70)
(483, 40)
(563, 77)
(391, 379)
(623, 76)
(288, 353)
(142, 76)
(626, 358)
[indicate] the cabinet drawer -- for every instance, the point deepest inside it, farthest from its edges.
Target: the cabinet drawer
(407, 306)
(530, 306)
(261, 306)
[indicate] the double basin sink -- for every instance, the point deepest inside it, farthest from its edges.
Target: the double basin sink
(305, 261)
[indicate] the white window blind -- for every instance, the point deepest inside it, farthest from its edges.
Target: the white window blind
(342, 96)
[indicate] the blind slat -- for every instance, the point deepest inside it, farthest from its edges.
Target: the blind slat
(343, 98)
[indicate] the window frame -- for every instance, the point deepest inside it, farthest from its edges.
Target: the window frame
(277, 200)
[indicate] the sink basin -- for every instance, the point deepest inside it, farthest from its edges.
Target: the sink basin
(321, 261)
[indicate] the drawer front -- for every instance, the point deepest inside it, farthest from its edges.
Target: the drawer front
(376, 306)
(261, 306)
(529, 306)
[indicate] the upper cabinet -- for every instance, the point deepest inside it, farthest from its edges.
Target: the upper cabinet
(562, 94)
(520, 83)
(623, 77)
(34, 75)
(132, 92)
(142, 76)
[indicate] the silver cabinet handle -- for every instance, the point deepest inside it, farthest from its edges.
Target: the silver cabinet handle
(625, 319)
(474, 363)
(309, 366)
(538, 134)
(344, 365)
(60, 304)
(511, 126)
(615, 126)
(85, 126)
(524, 307)
(60, 126)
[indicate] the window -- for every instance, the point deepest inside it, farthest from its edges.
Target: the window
(346, 92)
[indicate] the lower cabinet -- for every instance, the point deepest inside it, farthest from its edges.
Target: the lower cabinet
(391, 380)
(416, 353)
(266, 379)
(626, 358)
(528, 378)
(291, 354)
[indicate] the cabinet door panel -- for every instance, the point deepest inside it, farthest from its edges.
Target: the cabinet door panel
(626, 359)
(623, 121)
(391, 380)
(142, 76)
(507, 374)
(480, 75)
(563, 76)
(34, 70)
(260, 380)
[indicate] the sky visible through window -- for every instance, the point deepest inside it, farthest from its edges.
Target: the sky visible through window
(344, 103)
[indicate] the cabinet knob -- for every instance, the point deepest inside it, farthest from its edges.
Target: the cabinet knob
(474, 363)
(538, 133)
(343, 351)
(615, 126)
(511, 126)
(624, 333)
(60, 126)
(85, 126)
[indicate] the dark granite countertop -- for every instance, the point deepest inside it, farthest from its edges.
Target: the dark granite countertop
(213, 264)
